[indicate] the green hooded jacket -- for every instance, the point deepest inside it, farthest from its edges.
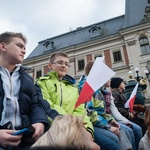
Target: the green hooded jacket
(62, 96)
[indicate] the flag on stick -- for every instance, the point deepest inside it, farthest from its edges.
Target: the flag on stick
(130, 102)
(99, 74)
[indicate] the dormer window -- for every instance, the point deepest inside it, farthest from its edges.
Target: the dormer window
(95, 31)
(49, 45)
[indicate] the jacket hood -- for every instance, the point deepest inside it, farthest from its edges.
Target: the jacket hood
(66, 78)
(70, 79)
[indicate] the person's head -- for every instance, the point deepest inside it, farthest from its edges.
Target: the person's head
(107, 84)
(147, 116)
(12, 47)
(67, 132)
(88, 67)
(59, 62)
(117, 82)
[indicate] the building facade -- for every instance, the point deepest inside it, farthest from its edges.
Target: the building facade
(123, 40)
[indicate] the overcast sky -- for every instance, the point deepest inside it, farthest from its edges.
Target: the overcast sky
(42, 19)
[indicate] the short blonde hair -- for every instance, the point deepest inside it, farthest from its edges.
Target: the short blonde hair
(55, 55)
(6, 37)
(66, 132)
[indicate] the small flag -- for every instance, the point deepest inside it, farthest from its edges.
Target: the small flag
(99, 74)
(130, 102)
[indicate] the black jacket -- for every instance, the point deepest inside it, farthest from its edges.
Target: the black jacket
(30, 109)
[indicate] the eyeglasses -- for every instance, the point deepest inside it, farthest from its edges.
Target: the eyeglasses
(61, 63)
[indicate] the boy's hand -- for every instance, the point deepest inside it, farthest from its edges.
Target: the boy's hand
(114, 123)
(115, 131)
(7, 139)
(39, 130)
(131, 115)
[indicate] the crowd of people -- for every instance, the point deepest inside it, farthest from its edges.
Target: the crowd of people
(47, 108)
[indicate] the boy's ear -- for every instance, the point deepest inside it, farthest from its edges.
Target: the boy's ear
(49, 65)
(2, 46)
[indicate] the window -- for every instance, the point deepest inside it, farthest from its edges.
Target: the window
(144, 44)
(38, 74)
(98, 56)
(49, 46)
(117, 56)
(81, 64)
(95, 31)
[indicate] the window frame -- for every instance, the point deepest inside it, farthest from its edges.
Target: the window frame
(144, 45)
(114, 59)
(82, 65)
(36, 72)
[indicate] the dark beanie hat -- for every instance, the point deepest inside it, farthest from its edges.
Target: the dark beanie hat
(115, 82)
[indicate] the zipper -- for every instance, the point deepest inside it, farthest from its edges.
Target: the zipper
(15, 106)
(60, 94)
(9, 81)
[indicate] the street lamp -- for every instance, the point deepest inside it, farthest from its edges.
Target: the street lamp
(137, 74)
(130, 74)
(146, 73)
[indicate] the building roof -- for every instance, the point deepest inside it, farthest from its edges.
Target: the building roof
(134, 14)
(78, 36)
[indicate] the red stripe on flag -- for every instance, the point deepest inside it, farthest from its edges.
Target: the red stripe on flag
(131, 103)
(85, 95)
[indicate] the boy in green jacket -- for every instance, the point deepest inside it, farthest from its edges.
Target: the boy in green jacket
(60, 91)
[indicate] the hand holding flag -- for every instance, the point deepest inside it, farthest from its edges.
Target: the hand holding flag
(99, 74)
(130, 102)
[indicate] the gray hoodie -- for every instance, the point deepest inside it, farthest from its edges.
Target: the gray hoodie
(144, 143)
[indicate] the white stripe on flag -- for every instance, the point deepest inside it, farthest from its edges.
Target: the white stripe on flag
(133, 94)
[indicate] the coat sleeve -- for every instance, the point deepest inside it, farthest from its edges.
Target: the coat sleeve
(47, 97)
(116, 114)
(37, 113)
(81, 111)
(118, 101)
(52, 113)
(141, 145)
(96, 119)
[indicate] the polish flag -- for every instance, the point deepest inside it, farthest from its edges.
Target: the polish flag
(99, 74)
(130, 102)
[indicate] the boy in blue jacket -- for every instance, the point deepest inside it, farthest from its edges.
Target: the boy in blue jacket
(19, 105)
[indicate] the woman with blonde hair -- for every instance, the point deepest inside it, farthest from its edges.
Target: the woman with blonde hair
(67, 132)
(145, 141)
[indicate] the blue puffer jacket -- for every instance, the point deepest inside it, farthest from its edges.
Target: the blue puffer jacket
(30, 110)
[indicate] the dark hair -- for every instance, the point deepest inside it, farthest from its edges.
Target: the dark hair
(7, 36)
(147, 116)
(115, 82)
(88, 67)
(54, 55)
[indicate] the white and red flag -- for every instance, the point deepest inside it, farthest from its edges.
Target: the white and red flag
(130, 102)
(99, 74)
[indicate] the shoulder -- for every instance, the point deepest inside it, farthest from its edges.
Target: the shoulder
(142, 143)
(24, 75)
(115, 92)
(46, 77)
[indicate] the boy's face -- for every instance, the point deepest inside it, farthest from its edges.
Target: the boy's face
(122, 86)
(60, 65)
(14, 51)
